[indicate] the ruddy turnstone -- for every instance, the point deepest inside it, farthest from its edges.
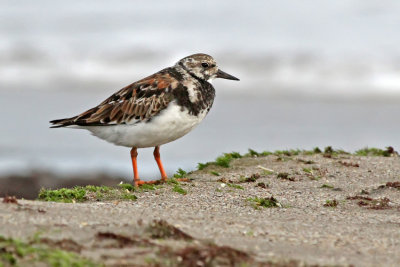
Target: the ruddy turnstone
(155, 110)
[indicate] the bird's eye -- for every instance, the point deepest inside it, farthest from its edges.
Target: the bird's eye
(204, 65)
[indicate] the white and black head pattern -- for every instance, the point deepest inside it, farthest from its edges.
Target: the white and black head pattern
(203, 67)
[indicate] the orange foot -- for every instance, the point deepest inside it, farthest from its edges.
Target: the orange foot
(138, 183)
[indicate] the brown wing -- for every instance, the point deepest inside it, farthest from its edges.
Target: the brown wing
(138, 101)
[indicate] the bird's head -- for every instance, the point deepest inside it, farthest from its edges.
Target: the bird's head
(203, 67)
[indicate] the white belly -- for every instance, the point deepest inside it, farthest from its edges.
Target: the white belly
(171, 124)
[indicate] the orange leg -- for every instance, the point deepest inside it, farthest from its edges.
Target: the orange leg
(159, 163)
(136, 179)
(134, 154)
(164, 176)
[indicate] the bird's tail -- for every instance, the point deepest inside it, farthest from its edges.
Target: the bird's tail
(63, 122)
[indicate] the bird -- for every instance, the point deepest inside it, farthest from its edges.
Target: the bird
(155, 110)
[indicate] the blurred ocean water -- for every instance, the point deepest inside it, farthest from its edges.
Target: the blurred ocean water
(312, 47)
(313, 73)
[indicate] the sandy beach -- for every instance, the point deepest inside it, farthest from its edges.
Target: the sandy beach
(281, 210)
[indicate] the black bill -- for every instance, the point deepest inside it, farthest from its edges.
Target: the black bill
(224, 75)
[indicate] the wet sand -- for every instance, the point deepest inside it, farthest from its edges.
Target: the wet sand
(342, 210)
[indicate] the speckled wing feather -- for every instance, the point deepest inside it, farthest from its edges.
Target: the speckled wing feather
(136, 102)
